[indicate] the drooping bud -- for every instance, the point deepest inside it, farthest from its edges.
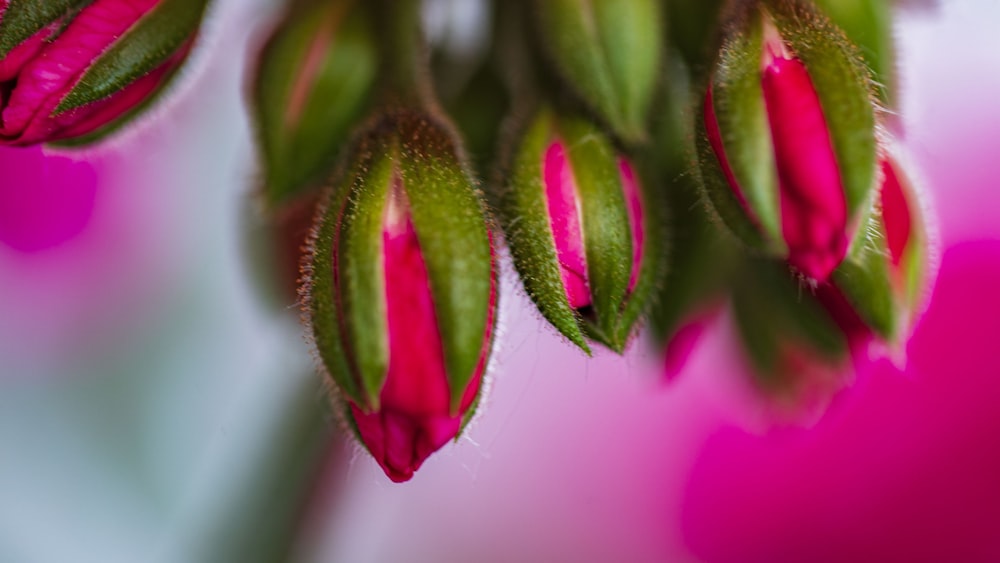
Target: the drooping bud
(787, 145)
(314, 79)
(402, 290)
(795, 349)
(583, 239)
(609, 53)
(73, 70)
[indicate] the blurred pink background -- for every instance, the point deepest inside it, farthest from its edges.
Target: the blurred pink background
(145, 386)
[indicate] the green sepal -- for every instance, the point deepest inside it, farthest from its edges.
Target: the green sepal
(604, 223)
(300, 149)
(609, 52)
(656, 253)
(774, 312)
(449, 218)
(739, 108)
(524, 216)
(360, 263)
(863, 279)
(24, 18)
(868, 24)
(843, 85)
(320, 294)
(148, 44)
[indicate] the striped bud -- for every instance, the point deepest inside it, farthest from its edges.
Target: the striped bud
(787, 145)
(583, 238)
(402, 291)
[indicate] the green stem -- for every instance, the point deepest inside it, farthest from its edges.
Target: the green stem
(406, 58)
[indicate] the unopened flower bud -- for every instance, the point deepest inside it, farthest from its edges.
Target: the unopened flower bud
(580, 230)
(796, 350)
(314, 79)
(402, 290)
(609, 53)
(787, 148)
(74, 70)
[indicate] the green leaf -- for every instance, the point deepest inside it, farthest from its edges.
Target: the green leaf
(25, 18)
(449, 218)
(305, 108)
(148, 44)
(525, 219)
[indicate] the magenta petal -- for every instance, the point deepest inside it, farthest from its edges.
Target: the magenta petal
(813, 207)
(12, 64)
(564, 217)
(633, 203)
(895, 213)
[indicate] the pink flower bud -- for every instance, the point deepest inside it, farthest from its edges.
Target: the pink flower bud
(401, 290)
(563, 206)
(87, 69)
(790, 136)
(414, 418)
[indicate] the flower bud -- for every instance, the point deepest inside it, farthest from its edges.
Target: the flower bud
(315, 78)
(795, 348)
(72, 70)
(787, 149)
(402, 290)
(580, 231)
(609, 53)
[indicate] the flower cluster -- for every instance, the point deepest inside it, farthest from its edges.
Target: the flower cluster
(798, 213)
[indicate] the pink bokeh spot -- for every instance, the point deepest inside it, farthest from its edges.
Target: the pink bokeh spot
(45, 200)
(813, 206)
(414, 419)
(904, 469)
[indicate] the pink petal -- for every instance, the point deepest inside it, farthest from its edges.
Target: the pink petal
(564, 217)
(813, 206)
(895, 213)
(633, 203)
